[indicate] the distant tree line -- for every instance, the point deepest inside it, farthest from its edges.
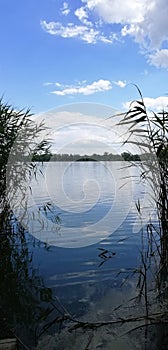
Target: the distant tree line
(65, 157)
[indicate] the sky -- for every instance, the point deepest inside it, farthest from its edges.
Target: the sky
(57, 54)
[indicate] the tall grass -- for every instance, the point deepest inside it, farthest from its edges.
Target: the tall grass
(148, 131)
(20, 139)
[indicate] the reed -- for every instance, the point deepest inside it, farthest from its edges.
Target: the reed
(148, 131)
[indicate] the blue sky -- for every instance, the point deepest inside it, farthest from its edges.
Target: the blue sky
(55, 53)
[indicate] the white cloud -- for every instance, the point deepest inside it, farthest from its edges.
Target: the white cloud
(52, 83)
(82, 128)
(145, 21)
(57, 84)
(65, 9)
(155, 23)
(159, 58)
(120, 83)
(155, 104)
(47, 84)
(118, 11)
(152, 31)
(82, 32)
(82, 15)
(109, 40)
(134, 30)
(97, 86)
(82, 87)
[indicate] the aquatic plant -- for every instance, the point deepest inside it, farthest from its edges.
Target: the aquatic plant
(20, 139)
(148, 131)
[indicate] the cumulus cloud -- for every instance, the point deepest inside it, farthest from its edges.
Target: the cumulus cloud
(143, 20)
(159, 58)
(155, 23)
(118, 11)
(156, 104)
(97, 86)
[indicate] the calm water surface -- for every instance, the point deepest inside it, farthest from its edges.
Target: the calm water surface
(80, 243)
(96, 205)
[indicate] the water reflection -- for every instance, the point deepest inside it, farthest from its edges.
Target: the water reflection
(92, 201)
(94, 205)
(24, 298)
